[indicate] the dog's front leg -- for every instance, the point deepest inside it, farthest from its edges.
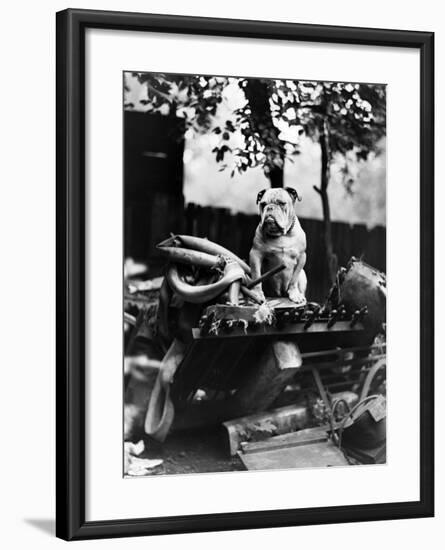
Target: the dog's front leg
(297, 287)
(256, 261)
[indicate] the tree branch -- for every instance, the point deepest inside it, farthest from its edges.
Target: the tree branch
(158, 92)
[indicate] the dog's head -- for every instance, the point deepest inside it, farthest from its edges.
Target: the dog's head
(277, 210)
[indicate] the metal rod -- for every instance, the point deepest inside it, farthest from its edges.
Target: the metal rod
(250, 294)
(337, 351)
(266, 275)
(341, 362)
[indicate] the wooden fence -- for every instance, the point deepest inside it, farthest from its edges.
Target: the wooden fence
(235, 231)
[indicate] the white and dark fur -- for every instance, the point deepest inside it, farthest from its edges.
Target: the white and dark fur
(279, 239)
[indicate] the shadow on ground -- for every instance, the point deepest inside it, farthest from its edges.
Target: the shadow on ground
(45, 525)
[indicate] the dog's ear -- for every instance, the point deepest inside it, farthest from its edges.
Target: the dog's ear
(260, 195)
(293, 193)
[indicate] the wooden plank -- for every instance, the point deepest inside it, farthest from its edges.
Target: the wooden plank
(312, 455)
(288, 330)
(284, 420)
(284, 441)
(275, 422)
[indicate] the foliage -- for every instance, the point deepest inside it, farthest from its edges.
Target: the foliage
(194, 98)
(353, 116)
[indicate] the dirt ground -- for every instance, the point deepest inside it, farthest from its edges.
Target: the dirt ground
(193, 452)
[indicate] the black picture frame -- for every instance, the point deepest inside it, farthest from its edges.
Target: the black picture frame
(70, 192)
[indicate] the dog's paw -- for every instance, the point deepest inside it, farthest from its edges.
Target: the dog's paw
(297, 297)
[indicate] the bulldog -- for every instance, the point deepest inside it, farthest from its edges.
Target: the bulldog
(279, 239)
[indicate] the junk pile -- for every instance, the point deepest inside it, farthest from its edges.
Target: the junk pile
(223, 355)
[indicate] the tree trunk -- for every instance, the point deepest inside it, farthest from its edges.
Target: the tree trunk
(331, 257)
(276, 177)
(257, 94)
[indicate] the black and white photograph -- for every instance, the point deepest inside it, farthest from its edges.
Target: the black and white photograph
(219, 240)
(254, 274)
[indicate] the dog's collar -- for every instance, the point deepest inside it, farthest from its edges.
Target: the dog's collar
(292, 224)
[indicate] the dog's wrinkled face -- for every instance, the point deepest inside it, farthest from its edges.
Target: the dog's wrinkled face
(277, 210)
